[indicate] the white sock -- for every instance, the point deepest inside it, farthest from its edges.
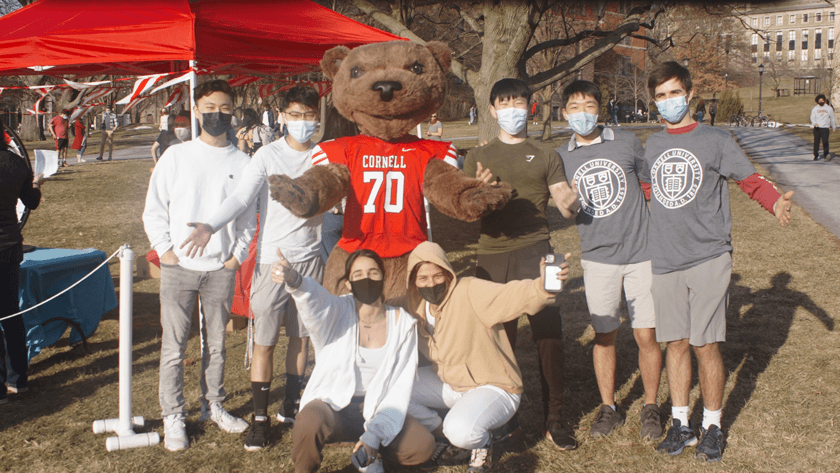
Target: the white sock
(612, 407)
(260, 418)
(711, 418)
(680, 414)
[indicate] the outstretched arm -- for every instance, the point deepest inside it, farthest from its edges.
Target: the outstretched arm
(459, 196)
(319, 189)
(566, 198)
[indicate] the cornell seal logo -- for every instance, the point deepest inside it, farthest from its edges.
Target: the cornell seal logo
(676, 176)
(602, 187)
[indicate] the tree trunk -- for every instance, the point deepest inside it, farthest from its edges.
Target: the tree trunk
(30, 129)
(508, 28)
(545, 98)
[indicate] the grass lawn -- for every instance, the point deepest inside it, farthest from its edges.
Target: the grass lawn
(780, 357)
(124, 137)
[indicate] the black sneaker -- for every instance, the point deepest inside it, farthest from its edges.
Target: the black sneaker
(99, 158)
(257, 437)
(679, 437)
(605, 421)
(710, 448)
(511, 428)
(288, 410)
(560, 436)
(436, 460)
(481, 459)
(651, 422)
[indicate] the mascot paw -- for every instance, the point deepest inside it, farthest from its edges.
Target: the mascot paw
(482, 200)
(300, 201)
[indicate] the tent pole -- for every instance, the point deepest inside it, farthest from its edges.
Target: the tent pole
(425, 200)
(193, 120)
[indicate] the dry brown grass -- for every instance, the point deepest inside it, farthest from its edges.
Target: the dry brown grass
(781, 356)
(125, 137)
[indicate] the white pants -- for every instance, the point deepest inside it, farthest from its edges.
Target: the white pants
(472, 414)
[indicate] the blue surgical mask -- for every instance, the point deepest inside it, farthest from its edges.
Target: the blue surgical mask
(674, 109)
(301, 130)
(512, 119)
(583, 123)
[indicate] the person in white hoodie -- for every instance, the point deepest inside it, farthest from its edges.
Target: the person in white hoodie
(822, 120)
(188, 184)
(367, 362)
(298, 238)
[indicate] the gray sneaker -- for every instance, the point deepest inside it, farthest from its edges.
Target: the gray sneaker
(679, 437)
(175, 433)
(650, 421)
(605, 421)
(710, 448)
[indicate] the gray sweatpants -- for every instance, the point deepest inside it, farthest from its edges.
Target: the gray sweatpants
(178, 289)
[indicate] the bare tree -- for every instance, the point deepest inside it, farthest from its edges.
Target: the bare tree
(506, 30)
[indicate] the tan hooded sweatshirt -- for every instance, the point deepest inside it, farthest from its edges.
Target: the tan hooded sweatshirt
(469, 347)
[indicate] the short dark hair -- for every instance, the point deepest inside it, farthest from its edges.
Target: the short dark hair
(821, 96)
(583, 87)
(509, 89)
(348, 265)
(250, 118)
(212, 86)
(336, 126)
(304, 95)
(667, 71)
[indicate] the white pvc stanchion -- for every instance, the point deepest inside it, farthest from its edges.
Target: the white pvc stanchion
(425, 200)
(124, 426)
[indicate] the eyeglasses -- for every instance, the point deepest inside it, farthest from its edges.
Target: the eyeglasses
(306, 115)
(434, 116)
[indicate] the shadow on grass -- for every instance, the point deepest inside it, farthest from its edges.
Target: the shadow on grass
(754, 338)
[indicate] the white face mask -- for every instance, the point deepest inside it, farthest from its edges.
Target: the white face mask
(512, 119)
(301, 130)
(182, 134)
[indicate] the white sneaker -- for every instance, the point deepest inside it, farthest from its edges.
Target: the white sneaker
(225, 421)
(175, 433)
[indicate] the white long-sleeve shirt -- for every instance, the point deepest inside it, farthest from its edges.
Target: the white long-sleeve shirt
(822, 116)
(190, 181)
(334, 328)
(298, 238)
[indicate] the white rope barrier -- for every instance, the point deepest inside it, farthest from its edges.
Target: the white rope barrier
(64, 291)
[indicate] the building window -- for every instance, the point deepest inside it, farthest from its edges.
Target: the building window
(779, 20)
(779, 40)
(791, 40)
(755, 22)
(830, 38)
(818, 38)
(819, 17)
(792, 19)
(766, 56)
(804, 18)
(831, 16)
(791, 55)
(804, 40)
(778, 56)
(767, 43)
(804, 55)
(817, 54)
(766, 21)
(754, 43)
(754, 58)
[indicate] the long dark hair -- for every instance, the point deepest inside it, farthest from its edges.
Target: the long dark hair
(348, 265)
(336, 126)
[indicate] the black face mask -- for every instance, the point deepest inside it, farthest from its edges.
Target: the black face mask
(367, 291)
(434, 294)
(216, 123)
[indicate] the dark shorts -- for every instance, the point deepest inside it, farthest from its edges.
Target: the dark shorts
(60, 143)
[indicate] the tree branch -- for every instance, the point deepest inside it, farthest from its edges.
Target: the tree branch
(399, 29)
(469, 19)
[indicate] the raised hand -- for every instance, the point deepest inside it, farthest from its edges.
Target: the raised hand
(782, 208)
(198, 239)
(282, 272)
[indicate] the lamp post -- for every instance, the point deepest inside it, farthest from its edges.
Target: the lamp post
(760, 74)
(726, 79)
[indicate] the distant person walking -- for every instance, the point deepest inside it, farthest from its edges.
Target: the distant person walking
(435, 131)
(534, 112)
(822, 119)
(109, 127)
(79, 139)
(59, 127)
(701, 110)
(712, 111)
(472, 115)
(612, 110)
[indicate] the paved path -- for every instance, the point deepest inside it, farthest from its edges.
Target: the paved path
(790, 160)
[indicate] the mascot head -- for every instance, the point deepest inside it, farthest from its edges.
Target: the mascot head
(388, 88)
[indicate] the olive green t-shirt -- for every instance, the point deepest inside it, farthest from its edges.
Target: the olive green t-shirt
(529, 169)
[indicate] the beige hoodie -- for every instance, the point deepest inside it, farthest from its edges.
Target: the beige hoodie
(469, 347)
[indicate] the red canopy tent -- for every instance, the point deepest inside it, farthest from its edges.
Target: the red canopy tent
(138, 37)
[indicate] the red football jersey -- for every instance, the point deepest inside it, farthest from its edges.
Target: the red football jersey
(384, 211)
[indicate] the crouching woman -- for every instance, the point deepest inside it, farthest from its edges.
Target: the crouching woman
(473, 371)
(366, 356)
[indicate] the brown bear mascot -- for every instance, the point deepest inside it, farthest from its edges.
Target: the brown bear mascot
(386, 89)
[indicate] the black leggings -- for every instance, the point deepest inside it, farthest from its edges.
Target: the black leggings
(14, 332)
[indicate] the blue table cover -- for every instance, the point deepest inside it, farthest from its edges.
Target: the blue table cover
(47, 271)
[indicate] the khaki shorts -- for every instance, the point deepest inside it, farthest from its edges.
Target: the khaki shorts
(603, 294)
(692, 303)
(272, 306)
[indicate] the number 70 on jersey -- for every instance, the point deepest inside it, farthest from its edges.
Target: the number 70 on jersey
(394, 190)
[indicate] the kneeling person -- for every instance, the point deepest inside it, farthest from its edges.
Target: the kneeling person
(603, 165)
(473, 371)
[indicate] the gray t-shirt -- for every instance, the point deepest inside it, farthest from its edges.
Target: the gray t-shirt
(434, 129)
(690, 222)
(613, 217)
